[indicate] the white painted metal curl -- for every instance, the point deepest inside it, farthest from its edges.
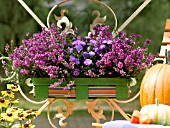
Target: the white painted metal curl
(25, 97)
(28, 99)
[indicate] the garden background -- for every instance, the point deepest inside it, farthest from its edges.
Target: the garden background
(15, 22)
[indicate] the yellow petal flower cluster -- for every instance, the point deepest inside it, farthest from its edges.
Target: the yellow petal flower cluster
(7, 94)
(12, 87)
(10, 114)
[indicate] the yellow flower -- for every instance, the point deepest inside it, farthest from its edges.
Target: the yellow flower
(14, 101)
(12, 87)
(21, 116)
(31, 114)
(18, 112)
(27, 126)
(1, 119)
(4, 103)
(9, 117)
(14, 109)
(7, 94)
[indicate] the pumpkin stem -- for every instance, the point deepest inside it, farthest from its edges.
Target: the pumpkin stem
(157, 102)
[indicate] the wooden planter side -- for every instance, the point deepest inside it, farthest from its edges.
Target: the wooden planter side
(85, 88)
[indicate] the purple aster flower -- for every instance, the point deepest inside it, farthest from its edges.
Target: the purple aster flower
(76, 72)
(78, 42)
(109, 42)
(85, 55)
(88, 62)
(71, 50)
(76, 61)
(97, 50)
(79, 48)
(93, 42)
(91, 53)
(82, 43)
(102, 46)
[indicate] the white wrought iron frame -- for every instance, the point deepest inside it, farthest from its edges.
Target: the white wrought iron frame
(62, 115)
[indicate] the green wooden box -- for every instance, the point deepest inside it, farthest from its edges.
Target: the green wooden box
(84, 88)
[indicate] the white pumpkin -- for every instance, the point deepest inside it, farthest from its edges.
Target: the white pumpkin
(160, 114)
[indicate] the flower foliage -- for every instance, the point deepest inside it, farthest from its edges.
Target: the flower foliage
(10, 115)
(55, 54)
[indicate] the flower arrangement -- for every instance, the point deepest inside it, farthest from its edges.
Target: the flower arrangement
(56, 54)
(11, 116)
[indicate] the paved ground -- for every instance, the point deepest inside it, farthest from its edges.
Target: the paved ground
(82, 119)
(79, 119)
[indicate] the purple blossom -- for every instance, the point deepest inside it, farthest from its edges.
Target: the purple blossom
(76, 72)
(76, 61)
(91, 53)
(53, 53)
(88, 62)
(79, 42)
(79, 48)
(93, 42)
(109, 42)
(102, 47)
(85, 55)
(71, 50)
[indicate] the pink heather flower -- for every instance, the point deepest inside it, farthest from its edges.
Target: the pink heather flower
(56, 54)
(24, 71)
(52, 86)
(68, 86)
(120, 65)
(6, 71)
(7, 47)
(28, 34)
(3, 62)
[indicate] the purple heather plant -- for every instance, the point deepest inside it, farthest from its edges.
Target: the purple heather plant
(55, 54)
(102, 55)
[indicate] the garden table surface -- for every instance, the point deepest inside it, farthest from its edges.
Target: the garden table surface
(127, 124)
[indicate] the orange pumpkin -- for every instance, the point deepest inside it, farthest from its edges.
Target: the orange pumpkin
(156, 85)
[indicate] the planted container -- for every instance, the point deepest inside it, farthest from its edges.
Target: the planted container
(84, 88)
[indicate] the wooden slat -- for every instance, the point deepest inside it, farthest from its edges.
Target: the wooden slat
(166, 38)
(167, 26)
